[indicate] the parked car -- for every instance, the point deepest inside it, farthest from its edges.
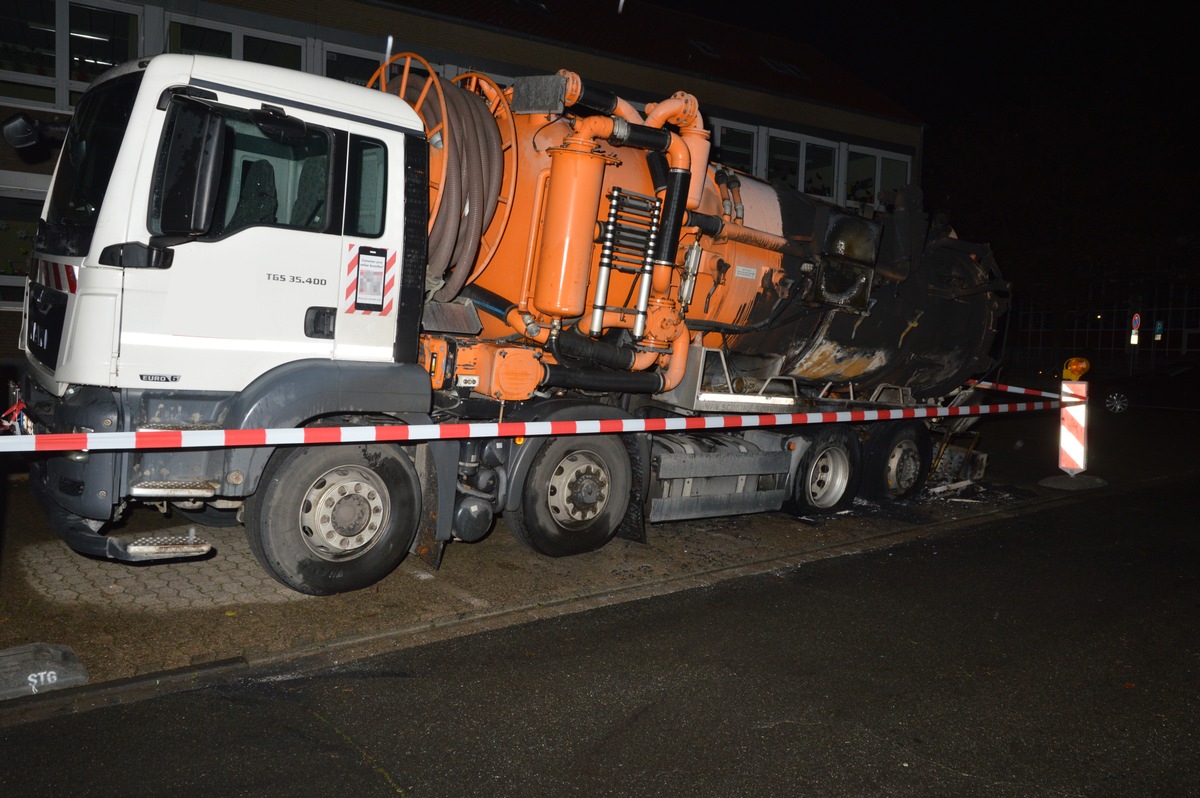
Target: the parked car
(1175, 385)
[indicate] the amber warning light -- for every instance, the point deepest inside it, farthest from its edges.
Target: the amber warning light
(1075, 368)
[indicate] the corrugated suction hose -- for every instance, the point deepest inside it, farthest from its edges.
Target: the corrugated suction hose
(470, 141)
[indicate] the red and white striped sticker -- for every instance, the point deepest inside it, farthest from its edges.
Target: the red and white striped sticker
(59, 276)
(219, 439)
(1072, 439)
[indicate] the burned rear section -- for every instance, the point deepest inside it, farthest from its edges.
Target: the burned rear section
(885, 298)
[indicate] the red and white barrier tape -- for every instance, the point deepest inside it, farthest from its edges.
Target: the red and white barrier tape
(219, 439)
(1013, 389)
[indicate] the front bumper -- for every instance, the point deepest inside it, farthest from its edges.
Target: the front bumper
(82, 484)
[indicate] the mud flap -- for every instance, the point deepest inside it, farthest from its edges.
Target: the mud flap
(437, 464)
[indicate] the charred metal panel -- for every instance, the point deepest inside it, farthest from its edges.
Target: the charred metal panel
(930, 330)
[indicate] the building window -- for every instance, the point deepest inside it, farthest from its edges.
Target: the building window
(27, 40)
(349, 68)
(873, 176)
(735, 146)
(99, 39)
(50, 51)
(893, 174)
(860, 178)
(802, 163)
(227, 41)
(783, 161)
(199, 40)
(820, 169)
(272, 52)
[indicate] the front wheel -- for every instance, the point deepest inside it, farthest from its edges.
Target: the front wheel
(897, 461)
(575, 495)
(827, 478)
(331, 519)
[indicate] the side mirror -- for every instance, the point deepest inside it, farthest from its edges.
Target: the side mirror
(189, 168)
(21, 131)
(33, 141)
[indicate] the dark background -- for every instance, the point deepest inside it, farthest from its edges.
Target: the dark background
(1061, 134)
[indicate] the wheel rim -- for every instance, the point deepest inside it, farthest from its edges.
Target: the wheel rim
(903, 468)
(579, 489)
(344, 512)
(1116, 402)
(827, 478)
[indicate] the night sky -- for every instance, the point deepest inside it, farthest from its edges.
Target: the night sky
(1062, 134)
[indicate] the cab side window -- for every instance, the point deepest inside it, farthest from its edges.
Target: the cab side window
(366, 188)
(274, 171)
(269, 180)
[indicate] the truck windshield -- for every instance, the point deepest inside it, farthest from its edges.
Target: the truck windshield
(85, 167)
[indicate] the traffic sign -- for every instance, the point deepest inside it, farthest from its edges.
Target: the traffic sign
(1137, 321)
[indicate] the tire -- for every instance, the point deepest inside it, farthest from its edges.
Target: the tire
(373, 497)
(1116, 401)
(827, 478)
(210, 516)
(896, 462)
(575, 495)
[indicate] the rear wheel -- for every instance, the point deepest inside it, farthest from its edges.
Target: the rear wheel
(575, 495)
(829, 472)
(896, 461)
(330, 519)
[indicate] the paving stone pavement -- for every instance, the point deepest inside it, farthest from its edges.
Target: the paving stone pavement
(232, 577)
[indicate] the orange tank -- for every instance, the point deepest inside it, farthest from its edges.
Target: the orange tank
(615, 245)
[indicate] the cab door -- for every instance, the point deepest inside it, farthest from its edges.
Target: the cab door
(255, 289)
(377, 306)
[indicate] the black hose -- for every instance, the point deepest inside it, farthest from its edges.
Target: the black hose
(674, 206)
(595, 380)
(576, 346)
(488, 301)
(593, 102)
(709, 225)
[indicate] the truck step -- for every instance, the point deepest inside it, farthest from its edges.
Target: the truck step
(167, 547)
(173, 490)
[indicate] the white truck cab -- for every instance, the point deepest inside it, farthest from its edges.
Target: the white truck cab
(224, 245)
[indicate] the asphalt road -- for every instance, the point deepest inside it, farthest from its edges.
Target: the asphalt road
(1052, 652)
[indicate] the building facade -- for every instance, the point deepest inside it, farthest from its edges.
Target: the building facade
(777, 108)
